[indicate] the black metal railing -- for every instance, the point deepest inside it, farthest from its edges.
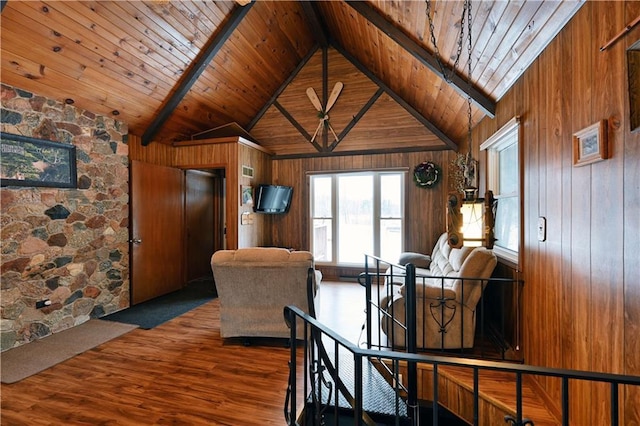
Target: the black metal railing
(431, 308)
(320, 368)
(335, 376)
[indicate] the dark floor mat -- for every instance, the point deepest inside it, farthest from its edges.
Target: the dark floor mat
(154, 312)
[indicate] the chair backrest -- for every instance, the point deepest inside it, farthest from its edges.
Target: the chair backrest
(265, 265)
(261, 254)
(480, 263)
(255, 284)
(447, 261)
(471, 262)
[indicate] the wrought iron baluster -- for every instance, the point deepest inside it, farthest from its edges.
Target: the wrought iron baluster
(518, 421)
(565, 401)
(614, 404)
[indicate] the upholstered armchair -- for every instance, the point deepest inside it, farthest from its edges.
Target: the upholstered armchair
(449, 284)
(255, 284)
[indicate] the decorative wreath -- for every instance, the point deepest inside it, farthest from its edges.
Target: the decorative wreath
(426, 174)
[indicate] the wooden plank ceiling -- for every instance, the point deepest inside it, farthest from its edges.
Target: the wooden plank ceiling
(172, 69)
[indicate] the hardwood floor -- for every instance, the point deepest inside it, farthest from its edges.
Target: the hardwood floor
(179, 373)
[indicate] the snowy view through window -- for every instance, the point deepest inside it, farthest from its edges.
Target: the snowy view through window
(354, 214)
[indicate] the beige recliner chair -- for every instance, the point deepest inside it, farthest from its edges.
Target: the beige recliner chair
(255, 284)
(445, 303)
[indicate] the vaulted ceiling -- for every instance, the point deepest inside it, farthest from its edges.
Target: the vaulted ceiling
(174, 69)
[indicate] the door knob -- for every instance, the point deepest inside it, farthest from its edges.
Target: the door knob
(136, 241)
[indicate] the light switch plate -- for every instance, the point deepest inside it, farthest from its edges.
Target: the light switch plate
(542, 228)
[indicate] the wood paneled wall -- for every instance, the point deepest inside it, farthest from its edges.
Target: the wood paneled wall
(228, 154)
(425, 208)
(582, 285)
(155, 153)
(257, 231)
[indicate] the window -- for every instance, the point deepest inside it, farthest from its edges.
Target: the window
(503, 168)
(353, 214)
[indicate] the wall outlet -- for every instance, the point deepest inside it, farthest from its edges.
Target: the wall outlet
(41, 304)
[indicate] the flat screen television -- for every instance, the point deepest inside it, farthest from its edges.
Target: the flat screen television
(273, 199)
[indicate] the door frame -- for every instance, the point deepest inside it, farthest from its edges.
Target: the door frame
(221, 208)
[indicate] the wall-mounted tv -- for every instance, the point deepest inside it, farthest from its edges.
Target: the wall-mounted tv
(272, 199)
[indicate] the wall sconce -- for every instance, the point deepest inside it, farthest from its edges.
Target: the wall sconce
(470, 223)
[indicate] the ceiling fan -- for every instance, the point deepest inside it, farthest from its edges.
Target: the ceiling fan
(323, 114)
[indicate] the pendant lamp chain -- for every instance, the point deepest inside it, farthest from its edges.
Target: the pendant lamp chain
(469, 82)
(448, 74)
(443, 69)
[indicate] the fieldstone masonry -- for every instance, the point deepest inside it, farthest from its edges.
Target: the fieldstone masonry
(65, 245)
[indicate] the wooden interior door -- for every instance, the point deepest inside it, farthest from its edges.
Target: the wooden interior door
(200, 221)
(220, 236)
(157, 236)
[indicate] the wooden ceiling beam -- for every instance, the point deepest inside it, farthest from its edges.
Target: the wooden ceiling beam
(317, 25)
(197, 68)
(297, 125)
(459, 83)
(428, 124)
(283, 86)
(394, 150)
(357, 118)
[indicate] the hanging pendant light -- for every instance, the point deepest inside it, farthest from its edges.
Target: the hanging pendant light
(469, 221)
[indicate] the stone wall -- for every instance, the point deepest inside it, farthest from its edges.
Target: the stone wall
(65, 245)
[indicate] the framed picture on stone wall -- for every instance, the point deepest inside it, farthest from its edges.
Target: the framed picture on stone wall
(26, 161)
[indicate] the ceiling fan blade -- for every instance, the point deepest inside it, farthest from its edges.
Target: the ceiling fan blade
(313, 97)
(333, 97)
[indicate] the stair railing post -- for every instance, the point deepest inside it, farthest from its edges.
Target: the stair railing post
(358, 396)
(290, 400)
(614, 404)
(412, 346)
(565, 401)
(369, 306)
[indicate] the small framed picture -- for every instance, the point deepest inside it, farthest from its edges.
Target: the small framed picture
(27, 161)
(246, 193)
(590, 144)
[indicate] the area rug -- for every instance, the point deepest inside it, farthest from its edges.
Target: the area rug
(32, 358)
(152, 313)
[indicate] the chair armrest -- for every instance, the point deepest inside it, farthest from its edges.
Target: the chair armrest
(418, 260)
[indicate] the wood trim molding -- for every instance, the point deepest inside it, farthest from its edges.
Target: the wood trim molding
(357, 153)
(230, 139)
(510, 126)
